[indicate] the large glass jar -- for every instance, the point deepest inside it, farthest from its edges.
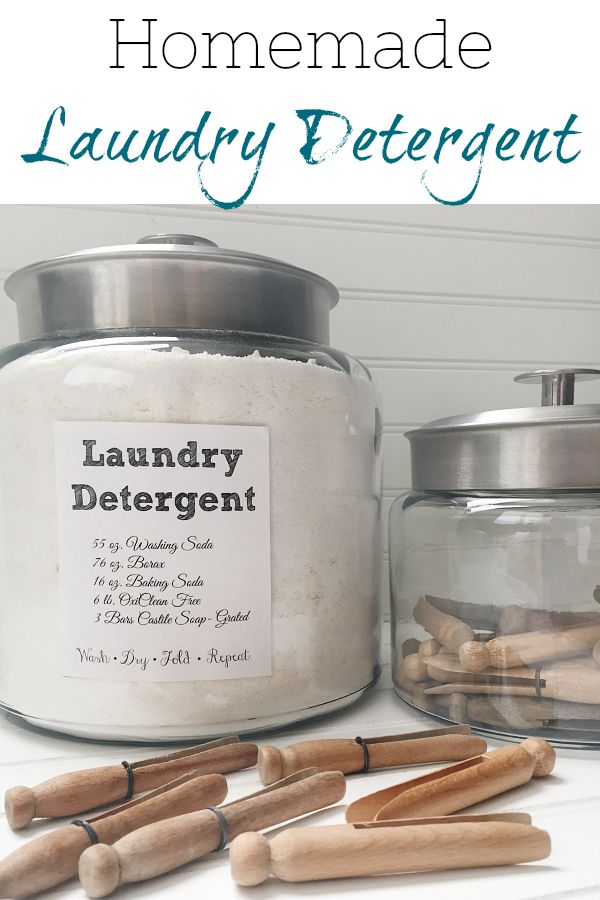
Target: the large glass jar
(188, 502)
(495, 569)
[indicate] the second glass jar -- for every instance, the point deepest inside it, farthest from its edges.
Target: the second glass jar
(495, 570)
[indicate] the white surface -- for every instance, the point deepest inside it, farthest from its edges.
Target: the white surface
(567, 804)
(444, 305)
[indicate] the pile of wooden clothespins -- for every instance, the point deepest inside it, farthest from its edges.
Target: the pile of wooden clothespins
(180, 817)
(505, 667)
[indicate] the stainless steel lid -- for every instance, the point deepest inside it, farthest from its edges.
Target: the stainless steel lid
(170, 281)
(552, 447)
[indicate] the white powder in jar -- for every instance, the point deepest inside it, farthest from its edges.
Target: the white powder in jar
(324, 512)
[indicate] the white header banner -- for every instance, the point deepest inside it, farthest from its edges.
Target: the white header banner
(125, 101)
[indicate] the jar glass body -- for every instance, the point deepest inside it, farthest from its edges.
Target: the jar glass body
(520, 570)
(321, 413)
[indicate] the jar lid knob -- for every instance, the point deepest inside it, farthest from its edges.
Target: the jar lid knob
(189, 239)
(558, 385)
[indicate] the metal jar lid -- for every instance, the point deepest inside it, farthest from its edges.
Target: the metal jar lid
(170, 281)
(552, 447)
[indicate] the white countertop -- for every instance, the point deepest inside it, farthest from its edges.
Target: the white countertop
(567, 804)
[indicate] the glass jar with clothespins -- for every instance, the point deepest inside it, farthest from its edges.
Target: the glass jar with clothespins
(495, 567)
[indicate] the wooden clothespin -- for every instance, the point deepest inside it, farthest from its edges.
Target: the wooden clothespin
(480, 616)
(448, 630)
(410, 845)
(518, 712)
(364, 754)
(516, 619)
(53, 858)
(572, 680)
(456, 787)
(75, 792)
(159, 848)
(529, 648)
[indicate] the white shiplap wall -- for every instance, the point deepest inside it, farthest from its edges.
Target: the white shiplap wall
(445, 305)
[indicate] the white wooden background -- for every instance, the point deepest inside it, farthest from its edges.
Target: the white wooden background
(445, 305)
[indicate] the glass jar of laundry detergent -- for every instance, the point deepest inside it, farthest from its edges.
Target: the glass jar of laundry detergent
(495, 567)
(189, 496)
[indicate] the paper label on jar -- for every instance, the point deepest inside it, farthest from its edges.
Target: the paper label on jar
(164, 535)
